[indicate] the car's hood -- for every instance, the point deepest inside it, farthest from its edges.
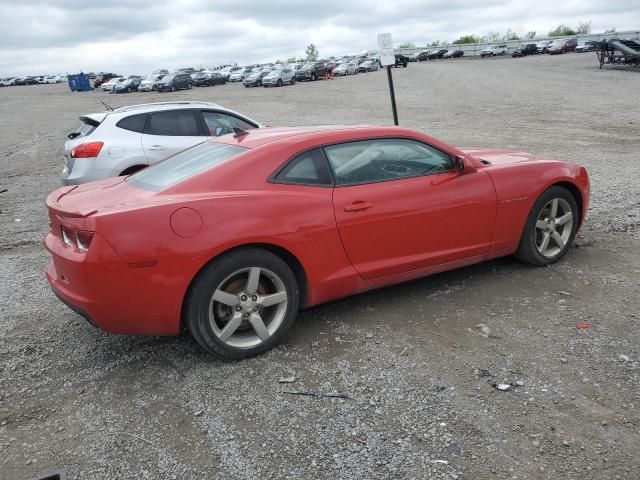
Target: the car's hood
(498, 157)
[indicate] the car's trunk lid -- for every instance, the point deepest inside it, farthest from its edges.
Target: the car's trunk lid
(81, 201)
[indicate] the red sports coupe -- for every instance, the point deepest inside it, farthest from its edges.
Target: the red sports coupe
(230, 238)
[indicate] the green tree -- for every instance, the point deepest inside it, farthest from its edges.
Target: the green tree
(436, 43)
(407, 45)
(584, 27)
(291, 60)
(531, 35)
(466, 39)
(312, 52)
(562, 31)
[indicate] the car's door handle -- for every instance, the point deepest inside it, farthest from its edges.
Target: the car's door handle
(358, 206)
(156, 147)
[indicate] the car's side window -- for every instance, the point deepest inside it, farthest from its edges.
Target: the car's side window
(378, 160)
(175, 123)
(218, 123)
(308, 168)
(134, 123)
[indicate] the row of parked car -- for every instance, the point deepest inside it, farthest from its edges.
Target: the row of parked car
(250, 76)
(32, 80)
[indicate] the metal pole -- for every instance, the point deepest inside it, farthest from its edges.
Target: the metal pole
(393, 96)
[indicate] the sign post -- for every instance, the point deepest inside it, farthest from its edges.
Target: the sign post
(388, 58)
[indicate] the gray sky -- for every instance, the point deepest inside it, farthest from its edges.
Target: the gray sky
(130, 36)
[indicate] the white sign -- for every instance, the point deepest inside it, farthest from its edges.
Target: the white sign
(385, 46)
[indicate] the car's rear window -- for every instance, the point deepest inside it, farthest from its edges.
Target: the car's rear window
(184, 165)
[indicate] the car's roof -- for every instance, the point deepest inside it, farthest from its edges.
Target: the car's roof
(150, 107)
(258, 137)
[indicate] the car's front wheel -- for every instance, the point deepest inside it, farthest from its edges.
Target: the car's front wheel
(242, 304)
(550, 228)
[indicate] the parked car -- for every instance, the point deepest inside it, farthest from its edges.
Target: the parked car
(52, 79)
(401, 61)
(524, 50)
(587, 46)
(347, 68)
(124, 140)
(239, 75)
(453, 54)
(131, 84)
(255, 79)
(147, 85)
(277, 78)
(8, 82)
(494, 51)
(311, 71)
(420, 56)
(562, 46)
(174, 81)
(108, 85)
(227, 71)
(543, 46)
(437, 54)
(26, 81)
(208, 79)
(230, 239)
(103, 78)
(369, 66)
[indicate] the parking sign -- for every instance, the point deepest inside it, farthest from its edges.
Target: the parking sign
(385, 46)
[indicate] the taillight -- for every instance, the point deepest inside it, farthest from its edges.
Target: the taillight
(80, 239)
(87, 150)
(84, 238)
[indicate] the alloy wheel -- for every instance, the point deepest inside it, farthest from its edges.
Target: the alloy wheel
(553, 227)
(248, 307)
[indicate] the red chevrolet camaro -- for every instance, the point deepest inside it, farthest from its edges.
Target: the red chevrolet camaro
(232, 237)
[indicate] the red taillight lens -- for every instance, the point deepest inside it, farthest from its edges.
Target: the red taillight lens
(87, 150)
(80, 239)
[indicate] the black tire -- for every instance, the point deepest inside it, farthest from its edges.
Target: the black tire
(279, 84)
(128, 90)
(293, 81)
(172, 89)
(527, 250)
(196, 305)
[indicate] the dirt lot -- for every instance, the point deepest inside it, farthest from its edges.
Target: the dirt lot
(418, 371)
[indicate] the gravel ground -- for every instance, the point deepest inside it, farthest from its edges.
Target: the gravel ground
(418, 371)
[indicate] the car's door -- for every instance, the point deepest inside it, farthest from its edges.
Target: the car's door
(169, 132)
(401, 206)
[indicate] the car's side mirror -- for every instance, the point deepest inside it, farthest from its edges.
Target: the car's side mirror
(458, 164)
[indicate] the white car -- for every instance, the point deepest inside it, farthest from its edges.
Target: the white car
(53, 79)
(127, 139)
(147, 84)
(108, 86)
(494, 51)
(8, 81)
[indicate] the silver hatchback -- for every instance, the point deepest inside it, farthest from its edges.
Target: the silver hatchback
(279, 77)
(127, 139)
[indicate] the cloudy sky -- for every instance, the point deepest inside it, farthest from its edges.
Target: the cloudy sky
(131, 36)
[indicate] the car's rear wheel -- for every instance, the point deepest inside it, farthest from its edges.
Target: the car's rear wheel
(550, 228)
(242, 304)
(279, 82)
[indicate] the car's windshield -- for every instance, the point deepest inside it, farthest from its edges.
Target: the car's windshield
(168, 78)
(184, 165)
(343, 65)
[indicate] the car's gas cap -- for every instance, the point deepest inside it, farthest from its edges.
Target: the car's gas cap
(186, 222)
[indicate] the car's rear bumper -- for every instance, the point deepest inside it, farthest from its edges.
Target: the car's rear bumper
(142, 298)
